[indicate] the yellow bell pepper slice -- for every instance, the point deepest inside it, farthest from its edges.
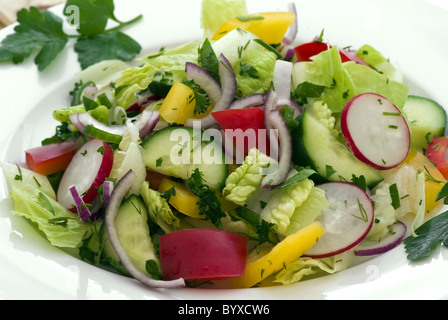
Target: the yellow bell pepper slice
(186, 202)
(179, 105)
(269, 26)
(434, 180)
(288, 250)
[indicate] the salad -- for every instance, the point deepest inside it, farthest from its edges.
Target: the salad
(245, 159)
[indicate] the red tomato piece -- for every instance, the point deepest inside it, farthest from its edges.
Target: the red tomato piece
(243, 126)
(437, 153)
(305, 51)
(50, 158)
(203, 254)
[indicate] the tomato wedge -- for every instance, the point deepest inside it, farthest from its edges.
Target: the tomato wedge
(50, 158)
(202, 254)
(242, 127)
(437, 153)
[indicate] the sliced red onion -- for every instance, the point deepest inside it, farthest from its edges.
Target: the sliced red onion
(397, 233)
(288, 52)
(253, 100)
(120, 190)
(90, 92)
(146, 122)
(228, 87)
(282, 81)
(108, 187)
(82, 120)
(81, 207)
(284, 141)
(291, 34)
(205, 80)
(143, 99)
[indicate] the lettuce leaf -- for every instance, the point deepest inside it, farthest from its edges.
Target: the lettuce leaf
(137, 79)
(343, 81)
(215, 12)
(296, 271)
(158, 209)
(246, 179)
(34, 200)
(384, 212)
(284, 203)
(369, 80)
(100, 113)
(307, 213)
(253, 64)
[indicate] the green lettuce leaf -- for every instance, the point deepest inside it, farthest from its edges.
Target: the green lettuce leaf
(384, 212)
(34, 200)
(343, 81)
(134, 80)
(215, 12)
(369, 80)
(253, 63)
(296, 271)
(158, 209)
(283, 204)
(100, 113)
(246, 179)
(307, 213)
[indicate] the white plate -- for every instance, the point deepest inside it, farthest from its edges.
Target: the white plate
(412, 32)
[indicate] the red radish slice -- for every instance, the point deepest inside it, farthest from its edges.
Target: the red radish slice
(376, 131)
(347, 220)
(87, 171)
(397, 232)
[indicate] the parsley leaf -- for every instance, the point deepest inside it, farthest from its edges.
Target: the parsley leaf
(119, 46)
(208, 59)
(93, 15)
(37, 32)
(429, 236)
(43, 33)
(208, 202)
(201, 97)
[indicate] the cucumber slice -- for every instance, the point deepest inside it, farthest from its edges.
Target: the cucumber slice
(178, 151)
(314, 146)
(426, 118)
(133, 232)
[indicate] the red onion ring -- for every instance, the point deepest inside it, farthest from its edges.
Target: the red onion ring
(291, 34)
(81, 207)
(277, 122)
(205, 80)
(120, 190)
(145, 123)
(397, 233)
(253, 100)
(228, 87)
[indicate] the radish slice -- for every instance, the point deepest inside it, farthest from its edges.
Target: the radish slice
(90, 166)
(120, 190)
(376, 131)
(347, 220)
(397, 232)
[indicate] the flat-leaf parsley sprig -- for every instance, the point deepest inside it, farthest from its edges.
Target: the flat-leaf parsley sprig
(43, 33)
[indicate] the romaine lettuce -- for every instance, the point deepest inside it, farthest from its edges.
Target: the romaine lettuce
(35, 200)
(246, 179)
(284, 203)
(305, 266)
(228, 9)
(158, 209)
(134, 80)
